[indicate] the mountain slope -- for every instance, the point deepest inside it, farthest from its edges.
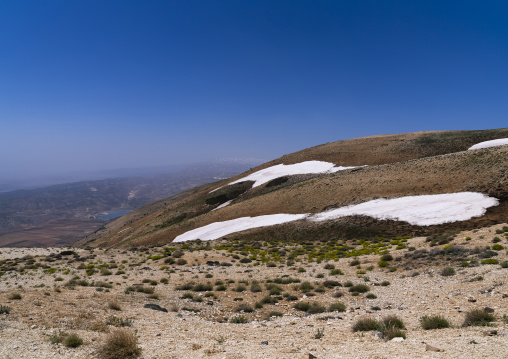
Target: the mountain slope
(397, 165)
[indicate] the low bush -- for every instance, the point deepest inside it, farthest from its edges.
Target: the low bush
(360, 288)
(366, 324)
(337, 307)
(447, 272)
(478, 317)
(120, 344)
(240, 319)
(72, 341)
(434, 322)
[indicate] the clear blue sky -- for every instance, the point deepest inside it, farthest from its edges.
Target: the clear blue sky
(109, 84)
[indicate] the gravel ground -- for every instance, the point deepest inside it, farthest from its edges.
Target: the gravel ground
(43, 311)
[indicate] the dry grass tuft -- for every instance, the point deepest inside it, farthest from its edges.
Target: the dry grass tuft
(120, 344)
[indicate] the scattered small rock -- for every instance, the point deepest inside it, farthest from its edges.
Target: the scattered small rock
(488, 310)
(264, 342)
(312, 356)
(155, 307)
(397, 339)
(430, 348)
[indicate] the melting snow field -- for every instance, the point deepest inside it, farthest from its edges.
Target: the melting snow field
(419, 210)
(271, 173)
(491, 143)
(423, 210)
(220, 229)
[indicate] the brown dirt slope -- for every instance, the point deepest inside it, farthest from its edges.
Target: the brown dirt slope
(399, 165)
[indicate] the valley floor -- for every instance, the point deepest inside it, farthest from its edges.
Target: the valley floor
(93, 292)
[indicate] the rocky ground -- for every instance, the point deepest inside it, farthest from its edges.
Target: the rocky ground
(92, 293)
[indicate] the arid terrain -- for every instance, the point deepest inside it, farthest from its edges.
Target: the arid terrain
(255, 299)
(390, 246)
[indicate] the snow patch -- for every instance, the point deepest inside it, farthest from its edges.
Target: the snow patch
(223, 205)
(423, 210)
(491, 143)
(307, 167)
(221, 229)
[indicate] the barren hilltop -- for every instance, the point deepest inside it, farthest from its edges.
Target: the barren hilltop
(391, 246)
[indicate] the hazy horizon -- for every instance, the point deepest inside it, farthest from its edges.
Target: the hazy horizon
(93, 86)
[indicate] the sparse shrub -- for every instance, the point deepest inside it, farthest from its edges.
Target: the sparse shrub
(58, 337)
(118, 322)
(72, 341)
(383, 264)
(114, 306)
(371, 296)
(393, 332)
(478, 317)
(386, 257)
(354, 262)
(239, 319)
(240, 288)
(4, 309)
(310, 308)
(329, 266)
(385, 283)
(392, 321)
(337, 307)
(366, 324)
(246, 308)
(504, 264)
(320, 333)
(316, 308)
(181, 261)
(360, 288)
(15, 296)
(497, 247)
(336, 272)
(120, 344)
(490, 261)
(338, 294)
(447, 272)
(303, 306)
(255, 287)
(320, 289)
(275, 314)
(306, 287)
(331, 283)
(434, 322)
(269, 300)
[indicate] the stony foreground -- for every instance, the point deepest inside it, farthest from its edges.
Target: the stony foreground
(54, 300)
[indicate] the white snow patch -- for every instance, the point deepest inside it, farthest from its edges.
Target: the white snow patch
(223, 205)
(423, 210)
(220, 229)
(270, 173)
(491, 143)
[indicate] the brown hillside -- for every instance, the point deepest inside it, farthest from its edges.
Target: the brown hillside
(399, 165)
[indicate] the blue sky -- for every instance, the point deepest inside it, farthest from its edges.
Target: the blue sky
(88, 85)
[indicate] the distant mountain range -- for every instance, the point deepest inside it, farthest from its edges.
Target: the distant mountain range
(60, 214)
(299, 195)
